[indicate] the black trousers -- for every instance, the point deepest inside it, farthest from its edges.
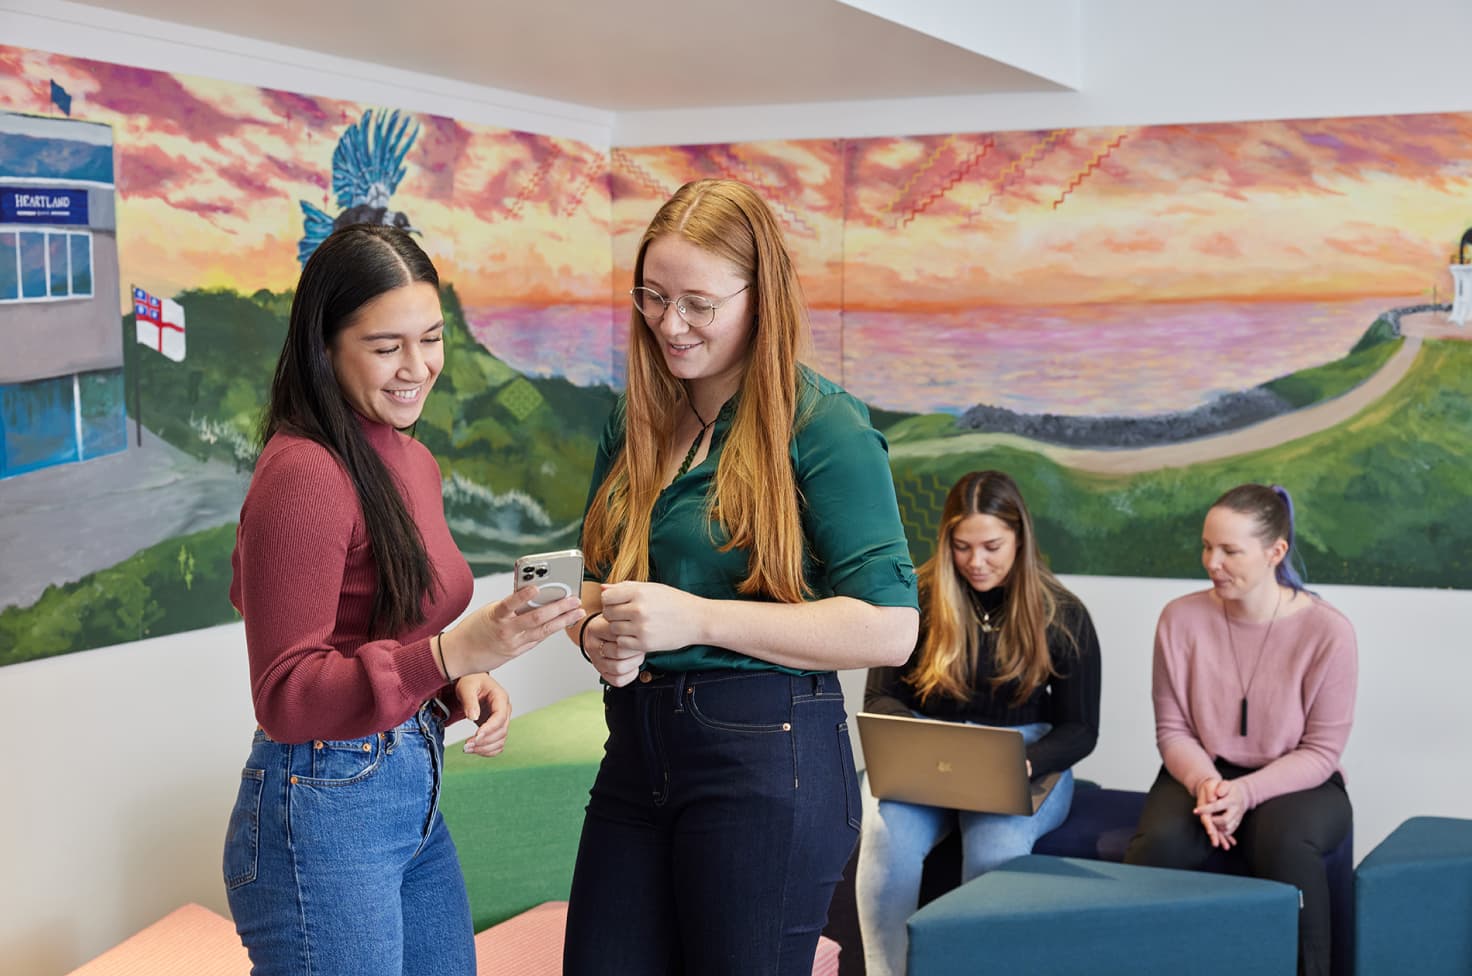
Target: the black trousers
(1283, 839)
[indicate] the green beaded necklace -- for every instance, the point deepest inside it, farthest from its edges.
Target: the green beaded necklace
(695, 444)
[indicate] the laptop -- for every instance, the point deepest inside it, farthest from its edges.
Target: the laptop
(950, 764)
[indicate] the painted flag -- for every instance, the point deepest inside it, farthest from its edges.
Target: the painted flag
(159, 323)
(61, 97)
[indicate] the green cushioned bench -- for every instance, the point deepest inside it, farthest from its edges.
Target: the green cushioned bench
(516, 818)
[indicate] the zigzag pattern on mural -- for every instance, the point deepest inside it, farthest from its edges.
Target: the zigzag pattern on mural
(640, 175)
(736, 168)
(533, 185)
(957, 175)
(1017, 168)
(909, 184)
(921, 498)
(1099, 157)
(591, 168)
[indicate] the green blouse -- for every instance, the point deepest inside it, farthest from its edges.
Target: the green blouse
(854, 543)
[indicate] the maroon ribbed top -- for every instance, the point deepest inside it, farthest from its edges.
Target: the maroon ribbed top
(304, 582)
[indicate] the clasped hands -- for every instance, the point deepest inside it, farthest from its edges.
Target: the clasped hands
(1221, 804)
(640, 619)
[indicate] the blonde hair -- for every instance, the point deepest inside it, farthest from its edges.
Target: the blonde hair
(755, 497)
(950, 653)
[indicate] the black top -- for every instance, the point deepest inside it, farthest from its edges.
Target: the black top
(1069, 701)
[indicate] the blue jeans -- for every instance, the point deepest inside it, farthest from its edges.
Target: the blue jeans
(722, 817)
(337, 860)
(898, 835)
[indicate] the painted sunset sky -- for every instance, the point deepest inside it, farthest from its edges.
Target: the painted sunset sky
(209, 174)
(1024, 269)
(1318, 209)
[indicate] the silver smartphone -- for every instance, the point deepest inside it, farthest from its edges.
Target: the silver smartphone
(555, 574)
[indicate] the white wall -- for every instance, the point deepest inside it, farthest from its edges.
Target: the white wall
(123, 762)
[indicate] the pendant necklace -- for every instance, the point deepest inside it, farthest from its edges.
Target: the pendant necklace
(695, 444)
(988, 626)
(1237, 663)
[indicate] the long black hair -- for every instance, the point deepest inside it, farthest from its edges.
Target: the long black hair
(353, 266)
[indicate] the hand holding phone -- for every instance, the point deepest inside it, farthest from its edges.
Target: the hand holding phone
(555, 574)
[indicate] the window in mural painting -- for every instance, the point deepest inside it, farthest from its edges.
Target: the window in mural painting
(81, 250)
(32, 264)
(37, 265)
(58, 261)
(9, 266)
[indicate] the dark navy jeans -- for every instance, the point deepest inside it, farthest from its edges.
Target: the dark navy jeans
(721, 819)
(338, 862)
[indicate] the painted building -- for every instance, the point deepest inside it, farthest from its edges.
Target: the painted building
(61, 341)
(1461, 269)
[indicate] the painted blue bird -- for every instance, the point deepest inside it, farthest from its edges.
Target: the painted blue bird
(367, 166)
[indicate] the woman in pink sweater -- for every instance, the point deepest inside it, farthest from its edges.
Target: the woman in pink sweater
(1254, 684)
(336, 857)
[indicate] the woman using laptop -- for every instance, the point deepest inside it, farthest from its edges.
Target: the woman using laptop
(1254, 685)
(1001, 643)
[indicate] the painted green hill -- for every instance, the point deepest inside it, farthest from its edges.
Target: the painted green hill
(1381, 497)
(516, 453)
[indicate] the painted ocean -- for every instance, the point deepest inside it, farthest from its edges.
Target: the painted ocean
(1119, 359)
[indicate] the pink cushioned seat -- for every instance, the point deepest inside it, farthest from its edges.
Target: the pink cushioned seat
(190, 941)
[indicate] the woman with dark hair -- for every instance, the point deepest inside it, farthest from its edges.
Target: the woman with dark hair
(743, 521)
(1254, 684)
(1003, 643)
(336, 858)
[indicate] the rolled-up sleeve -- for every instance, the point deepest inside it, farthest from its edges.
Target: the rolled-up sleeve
(852, 520)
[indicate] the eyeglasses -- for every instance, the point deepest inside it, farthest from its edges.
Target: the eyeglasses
(697, 312)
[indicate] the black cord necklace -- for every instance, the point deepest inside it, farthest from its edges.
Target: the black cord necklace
(1261, 650)
(695, 444)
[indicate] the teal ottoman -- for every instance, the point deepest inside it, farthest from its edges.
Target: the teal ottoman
(1413, 900)
(1058, 916)
(516, 818)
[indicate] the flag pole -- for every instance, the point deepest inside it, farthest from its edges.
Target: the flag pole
(137, 383)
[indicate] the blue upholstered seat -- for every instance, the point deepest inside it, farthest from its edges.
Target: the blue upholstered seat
(1101, 823)
(1413, 897)
(1051, 916)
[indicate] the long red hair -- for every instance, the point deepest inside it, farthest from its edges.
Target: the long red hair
(755, 499)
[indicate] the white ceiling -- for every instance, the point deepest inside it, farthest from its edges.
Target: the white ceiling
(639, 55)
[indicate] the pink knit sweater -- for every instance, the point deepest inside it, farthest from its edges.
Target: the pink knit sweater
(1300, 707)
(305, 580)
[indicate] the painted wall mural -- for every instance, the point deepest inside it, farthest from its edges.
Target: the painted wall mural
(1132, 320)
(220, 191)
(1129, 320)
